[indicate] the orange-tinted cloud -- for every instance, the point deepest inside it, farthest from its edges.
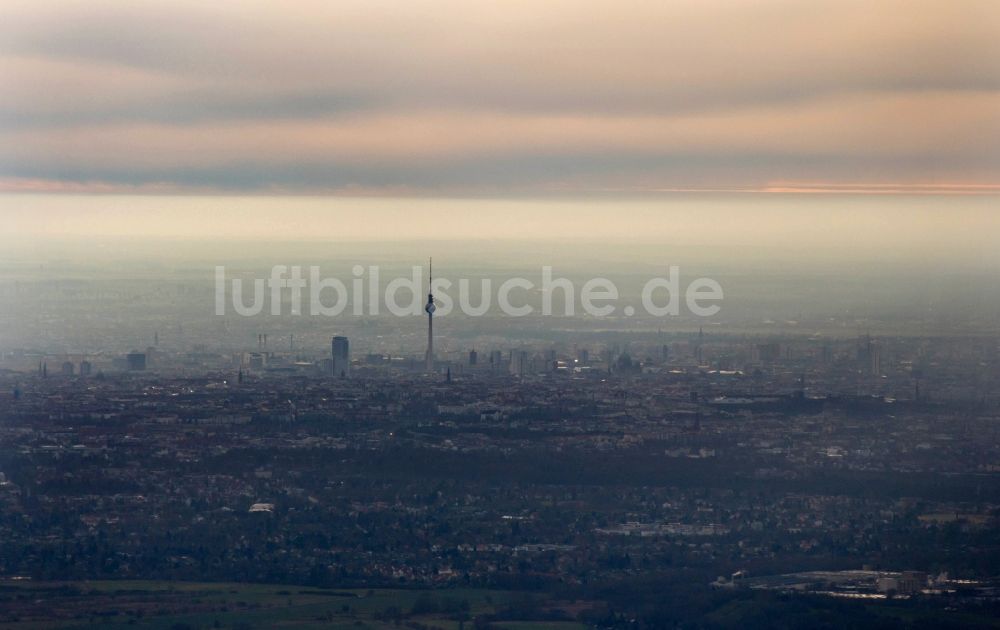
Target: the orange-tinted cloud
(457, 95)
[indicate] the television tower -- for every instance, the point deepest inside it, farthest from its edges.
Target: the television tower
(429, 309)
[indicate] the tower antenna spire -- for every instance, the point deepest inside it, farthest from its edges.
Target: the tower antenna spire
(429, 309)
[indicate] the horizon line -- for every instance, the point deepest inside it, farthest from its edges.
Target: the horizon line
(17, 185)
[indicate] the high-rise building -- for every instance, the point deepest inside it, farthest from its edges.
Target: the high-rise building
(496, 360)
(473, 357)
(869, 356)
(136, 361)
(256, 360)
(341, 349)
(519, 363)
(875, 358)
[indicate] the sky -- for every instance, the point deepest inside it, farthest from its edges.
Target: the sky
(442, 98)
(923, 235)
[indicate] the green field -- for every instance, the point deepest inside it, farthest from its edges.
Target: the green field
(181, 605)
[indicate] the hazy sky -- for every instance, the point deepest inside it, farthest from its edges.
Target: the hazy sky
(460, 97)
(924, 232)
